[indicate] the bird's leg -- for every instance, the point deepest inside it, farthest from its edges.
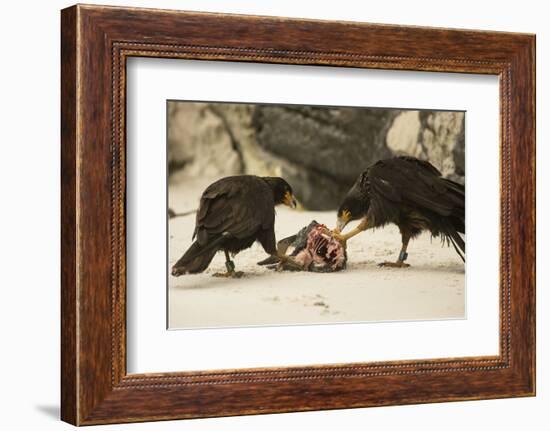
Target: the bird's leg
(400, 263)
(343, 238)
(230, 266)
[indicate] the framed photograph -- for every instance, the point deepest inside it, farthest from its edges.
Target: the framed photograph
(264, 214)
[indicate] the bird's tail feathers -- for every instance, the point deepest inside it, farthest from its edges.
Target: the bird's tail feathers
(453, 236)
(197, 258)
(455, 191)
(458, 244)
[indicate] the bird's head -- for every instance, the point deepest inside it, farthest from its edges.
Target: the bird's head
(282, 192)
(352, 208)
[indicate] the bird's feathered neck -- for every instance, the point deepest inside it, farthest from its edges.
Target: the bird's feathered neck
(278, 186)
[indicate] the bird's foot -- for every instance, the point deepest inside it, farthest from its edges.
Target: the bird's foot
(342, 239)
(398, 264)
(229, 274)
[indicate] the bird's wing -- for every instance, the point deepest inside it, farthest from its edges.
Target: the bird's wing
(412, 182)
(238, 206)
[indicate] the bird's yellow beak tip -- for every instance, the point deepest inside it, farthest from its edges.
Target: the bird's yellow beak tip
(342, 221)
(290, 200)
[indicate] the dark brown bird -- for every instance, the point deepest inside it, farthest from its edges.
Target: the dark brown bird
(233, 213)
(410, 193)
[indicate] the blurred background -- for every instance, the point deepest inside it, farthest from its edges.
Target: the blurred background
(320, 151)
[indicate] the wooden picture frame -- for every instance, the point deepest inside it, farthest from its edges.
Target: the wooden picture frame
(95, 43)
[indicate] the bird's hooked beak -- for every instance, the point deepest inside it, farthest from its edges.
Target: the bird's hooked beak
(290, 200)
(342, 221)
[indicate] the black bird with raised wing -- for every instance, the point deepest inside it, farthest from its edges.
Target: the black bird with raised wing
(233, 213)
(410, 193)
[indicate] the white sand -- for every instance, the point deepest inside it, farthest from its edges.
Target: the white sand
(432, 288)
